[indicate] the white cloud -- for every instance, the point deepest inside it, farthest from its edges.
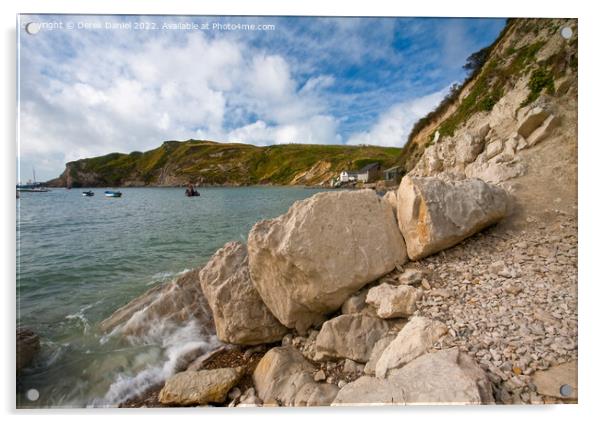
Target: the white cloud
(113, 98)
(393, 126)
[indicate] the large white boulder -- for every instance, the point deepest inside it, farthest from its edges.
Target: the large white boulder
(439, 378)
(349, 336)
(434, 214)
(240, 315)
(415, 339)
(285, 377)
(306, 262)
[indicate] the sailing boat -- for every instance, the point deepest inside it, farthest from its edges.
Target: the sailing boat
(32, 186)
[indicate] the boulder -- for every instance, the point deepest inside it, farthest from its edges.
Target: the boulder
(442, 377)
(173, 303)
(415, 339)
(377, 351)
(530, 119)
(434, 214)
(307, 262)
(28, 346)
(494, 148)
(285, 377)
(349, 336)
(240, 315)
(391, 198)
(544, 130)
(198, 388)
(394, 301)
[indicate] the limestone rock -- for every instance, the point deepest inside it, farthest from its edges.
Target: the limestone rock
(356, 303)
(306, 262)
(197, 388)
(377, 351)
(349, 336)
(240, 315)
(352, 367)
(285, 377)
(416, 338)
(530, 119)
(559, 381)
(173, 303)
(394, 301)
(442, 377)
(434, 214)
(391, 198)
(28, 345)
(544, 130)
(468, 147)
(494, 148)
(501, 168)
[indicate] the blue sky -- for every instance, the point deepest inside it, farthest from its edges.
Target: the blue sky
(86, 92)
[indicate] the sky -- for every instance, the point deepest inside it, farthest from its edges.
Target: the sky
(92, 85)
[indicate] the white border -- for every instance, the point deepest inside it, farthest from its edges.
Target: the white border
(589, 162)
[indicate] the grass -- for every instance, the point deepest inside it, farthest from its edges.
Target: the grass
(228, 163)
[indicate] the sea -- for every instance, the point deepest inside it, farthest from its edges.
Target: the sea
(80, 258)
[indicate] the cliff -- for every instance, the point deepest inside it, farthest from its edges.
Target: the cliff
(530, 55)
(212, 163)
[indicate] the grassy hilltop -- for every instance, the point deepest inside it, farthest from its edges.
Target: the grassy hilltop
(213, 163)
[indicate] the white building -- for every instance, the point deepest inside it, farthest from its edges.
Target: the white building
(347, 176)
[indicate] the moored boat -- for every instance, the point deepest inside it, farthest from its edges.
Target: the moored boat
(114, 194)
(88, 193)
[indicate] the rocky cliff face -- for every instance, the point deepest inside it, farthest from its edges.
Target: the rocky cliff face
(477, 134)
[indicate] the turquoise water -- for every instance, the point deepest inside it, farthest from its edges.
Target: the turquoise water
(80, 258)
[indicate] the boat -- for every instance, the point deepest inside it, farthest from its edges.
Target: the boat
(32, 186)
(88, 193)
(28, 188)
(114, 194)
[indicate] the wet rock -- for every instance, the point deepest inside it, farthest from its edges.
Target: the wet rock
(28, 346)
(296, 260)
(174, 303)
(240, 315)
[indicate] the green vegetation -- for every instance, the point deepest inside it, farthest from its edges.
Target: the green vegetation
(493, 71)
(541, 79)
(212, 163)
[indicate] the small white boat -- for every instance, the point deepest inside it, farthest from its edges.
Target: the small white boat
(114, 194)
